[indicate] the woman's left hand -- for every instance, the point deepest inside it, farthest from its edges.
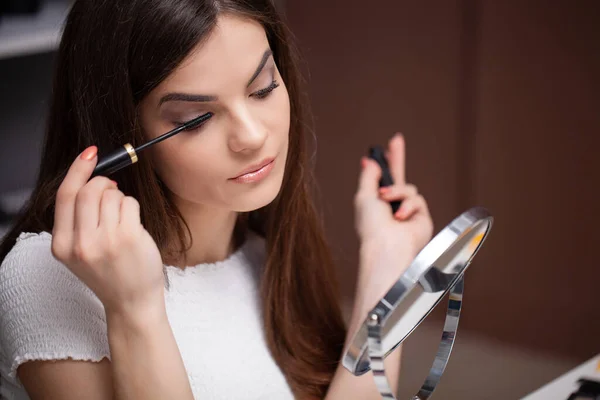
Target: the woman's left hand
(389, 242)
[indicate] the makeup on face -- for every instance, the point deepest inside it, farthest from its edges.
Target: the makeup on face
(178, 107)
(187, 112)
(255, 173)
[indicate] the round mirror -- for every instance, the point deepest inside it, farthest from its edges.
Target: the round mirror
(437, 270)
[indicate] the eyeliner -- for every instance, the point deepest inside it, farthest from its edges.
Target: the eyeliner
(127, 155)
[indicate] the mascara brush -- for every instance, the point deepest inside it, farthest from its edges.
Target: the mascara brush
(128, 155)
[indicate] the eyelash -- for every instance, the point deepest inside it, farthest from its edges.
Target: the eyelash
(177, 124)
(262, 93)
(259, 94)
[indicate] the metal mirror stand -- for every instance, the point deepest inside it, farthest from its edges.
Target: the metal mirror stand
(377, 354)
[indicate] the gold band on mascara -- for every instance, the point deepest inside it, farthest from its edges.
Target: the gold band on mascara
(131, 152)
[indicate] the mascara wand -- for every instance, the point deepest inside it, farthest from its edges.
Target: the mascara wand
(127, 155)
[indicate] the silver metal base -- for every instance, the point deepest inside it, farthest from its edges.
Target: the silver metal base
(377, 353)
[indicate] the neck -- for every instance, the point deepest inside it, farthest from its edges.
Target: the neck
(212, 233)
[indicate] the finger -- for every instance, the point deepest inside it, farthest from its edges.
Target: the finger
(110, 209)
(397, 159)
(77, 176)
(87, 205)
(397, 192)
(369, 176)
(130, 212)
(410, 207)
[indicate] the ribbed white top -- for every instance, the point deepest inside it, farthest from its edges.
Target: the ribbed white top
(47, 313)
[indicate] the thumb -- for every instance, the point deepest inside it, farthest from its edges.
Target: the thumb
(369, 177)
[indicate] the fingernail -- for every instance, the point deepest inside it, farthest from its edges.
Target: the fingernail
(114, 182)
(384, 190)
(363, 162)
(89, 153)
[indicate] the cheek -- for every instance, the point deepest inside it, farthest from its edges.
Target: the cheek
(279, 115)
(189, 168)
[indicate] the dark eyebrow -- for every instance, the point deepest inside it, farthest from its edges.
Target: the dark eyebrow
(198, 98)
(201, 98)
(263, 61)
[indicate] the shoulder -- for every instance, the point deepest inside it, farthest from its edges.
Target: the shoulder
(30, 266)
(30, 258)
(29, 247)
(46, 312)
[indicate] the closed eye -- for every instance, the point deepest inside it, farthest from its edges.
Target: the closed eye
(259, 94)
(262, 93)
(195, 128)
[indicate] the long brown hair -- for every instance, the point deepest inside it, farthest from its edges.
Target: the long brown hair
(112, 54)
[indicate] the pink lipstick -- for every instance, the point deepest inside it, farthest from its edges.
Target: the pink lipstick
(255, 173)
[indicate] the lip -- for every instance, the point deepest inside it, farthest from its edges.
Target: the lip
(255, 172)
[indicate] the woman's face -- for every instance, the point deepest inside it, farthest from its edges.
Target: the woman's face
(232, 75)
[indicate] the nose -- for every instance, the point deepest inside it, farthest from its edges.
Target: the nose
(247, 132)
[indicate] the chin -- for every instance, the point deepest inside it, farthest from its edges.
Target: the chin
(258, 196)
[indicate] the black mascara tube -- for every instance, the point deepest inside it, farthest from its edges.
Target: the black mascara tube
(376, 153)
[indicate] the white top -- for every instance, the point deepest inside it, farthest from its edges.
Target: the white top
(47, 313)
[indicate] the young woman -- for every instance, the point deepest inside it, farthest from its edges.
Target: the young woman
(201, 271)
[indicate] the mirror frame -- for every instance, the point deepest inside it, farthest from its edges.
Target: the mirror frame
(356, 358)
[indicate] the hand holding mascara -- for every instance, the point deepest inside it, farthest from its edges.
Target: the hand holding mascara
(127, 155)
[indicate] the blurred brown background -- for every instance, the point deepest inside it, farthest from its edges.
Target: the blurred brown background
(499, 102)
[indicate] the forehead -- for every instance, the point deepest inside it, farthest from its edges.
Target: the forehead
(228, 56)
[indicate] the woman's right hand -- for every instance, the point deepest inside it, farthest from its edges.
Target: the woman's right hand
(98, 235)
